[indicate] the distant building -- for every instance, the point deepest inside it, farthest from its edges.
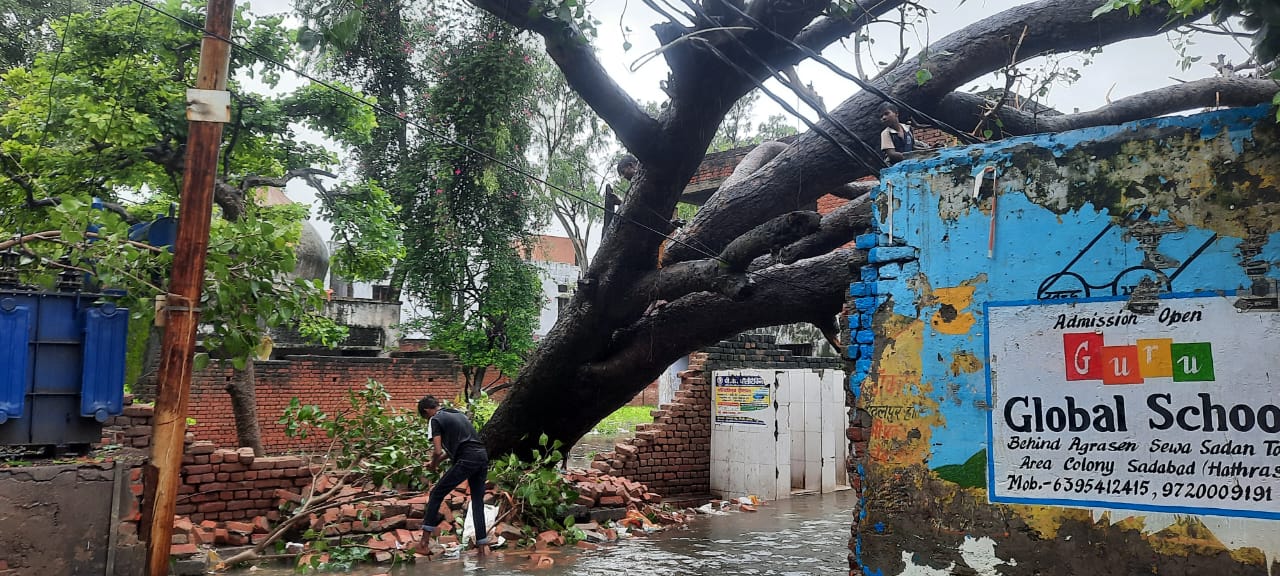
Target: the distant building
(554, 258)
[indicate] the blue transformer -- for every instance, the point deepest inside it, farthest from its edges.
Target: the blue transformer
(62, 359)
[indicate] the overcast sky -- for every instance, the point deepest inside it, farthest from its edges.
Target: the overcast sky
(1120, 70)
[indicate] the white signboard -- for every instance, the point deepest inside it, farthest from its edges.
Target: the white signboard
(1093, 405)
(740, 398)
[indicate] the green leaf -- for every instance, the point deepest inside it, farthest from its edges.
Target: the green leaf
(200, 361)
(923, 75)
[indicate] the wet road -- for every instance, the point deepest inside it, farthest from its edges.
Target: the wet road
(806, 535)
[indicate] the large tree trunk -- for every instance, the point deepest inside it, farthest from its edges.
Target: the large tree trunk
(244, 405)
(737, 266)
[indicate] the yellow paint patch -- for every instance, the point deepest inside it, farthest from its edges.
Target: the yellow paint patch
(1249, 555)
(964, 362)
(902, 411)
(951, 317)
(1046, 520)
(1138, 523)
(1186, 535)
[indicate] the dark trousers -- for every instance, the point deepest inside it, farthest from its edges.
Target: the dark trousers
(471, 466)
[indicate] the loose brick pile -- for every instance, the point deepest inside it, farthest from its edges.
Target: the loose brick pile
(391, 525)
(598, 490)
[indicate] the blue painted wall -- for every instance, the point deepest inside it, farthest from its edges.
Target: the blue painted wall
(1171, 205)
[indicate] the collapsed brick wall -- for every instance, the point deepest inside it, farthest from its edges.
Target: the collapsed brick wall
(321, 380)
(214, 483)
(673, 454)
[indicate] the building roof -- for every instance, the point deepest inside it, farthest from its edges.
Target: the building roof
(551, 249)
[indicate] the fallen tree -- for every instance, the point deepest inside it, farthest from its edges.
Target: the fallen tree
(646, 300)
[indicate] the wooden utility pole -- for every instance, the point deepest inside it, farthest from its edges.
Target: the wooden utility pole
(207, 110)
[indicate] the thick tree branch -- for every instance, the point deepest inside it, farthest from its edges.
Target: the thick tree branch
(838, 228)
(230, 199)
(812, 165)
(637, 131)
(810, 291)
(769, 237)
(673, 282)
(964, 109)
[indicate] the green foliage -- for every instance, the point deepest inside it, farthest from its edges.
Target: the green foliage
(468, 212)
(25, 29)
(497, 331)
(115, 102)
(370, 437)
(366, 229)
(479, 409)
(343, 555)
(542, 495)
(736, 131)
(247, 256)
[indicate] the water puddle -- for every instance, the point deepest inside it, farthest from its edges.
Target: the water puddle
(806, 535)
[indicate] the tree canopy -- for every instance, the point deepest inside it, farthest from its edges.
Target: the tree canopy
(93, 135)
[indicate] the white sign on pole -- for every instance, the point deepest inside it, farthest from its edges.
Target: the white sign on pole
(1094, 405)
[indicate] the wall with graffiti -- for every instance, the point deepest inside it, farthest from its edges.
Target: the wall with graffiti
(1068, 350)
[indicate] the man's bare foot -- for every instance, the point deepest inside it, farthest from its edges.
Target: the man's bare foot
(483, 550)
(428, 548)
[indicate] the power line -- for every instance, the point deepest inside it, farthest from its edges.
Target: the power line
(863, 84)
(402, 117)
(120, 86)
(53, 79)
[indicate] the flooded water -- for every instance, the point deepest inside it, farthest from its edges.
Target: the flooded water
(806, 535)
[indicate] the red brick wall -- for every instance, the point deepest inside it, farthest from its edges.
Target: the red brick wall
(646, 397)
(321, 380)
(673, 455)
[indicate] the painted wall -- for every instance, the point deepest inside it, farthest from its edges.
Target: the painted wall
(1071, 367)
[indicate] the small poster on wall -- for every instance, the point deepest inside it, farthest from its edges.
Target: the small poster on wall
(739, 397)
(1174, 411)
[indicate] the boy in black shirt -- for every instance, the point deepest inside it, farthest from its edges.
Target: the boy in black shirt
(453, 434)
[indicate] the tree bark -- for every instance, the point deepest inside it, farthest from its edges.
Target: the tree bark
(244, 405)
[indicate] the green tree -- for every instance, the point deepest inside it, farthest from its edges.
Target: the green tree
(737, 130)
(469, 212)
(25, 28)
(101, 121)
(571, 146)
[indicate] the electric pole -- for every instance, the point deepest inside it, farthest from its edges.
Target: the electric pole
(207, 110)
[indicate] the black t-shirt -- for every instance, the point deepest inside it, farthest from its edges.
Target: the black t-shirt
(455, 431)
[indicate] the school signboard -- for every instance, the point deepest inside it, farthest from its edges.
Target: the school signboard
(1174, 411)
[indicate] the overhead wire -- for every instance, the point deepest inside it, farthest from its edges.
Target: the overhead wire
(120, 86)
(402, 117)
(53, 80)
(863, 84)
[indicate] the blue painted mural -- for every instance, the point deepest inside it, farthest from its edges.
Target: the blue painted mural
(1127, 214)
